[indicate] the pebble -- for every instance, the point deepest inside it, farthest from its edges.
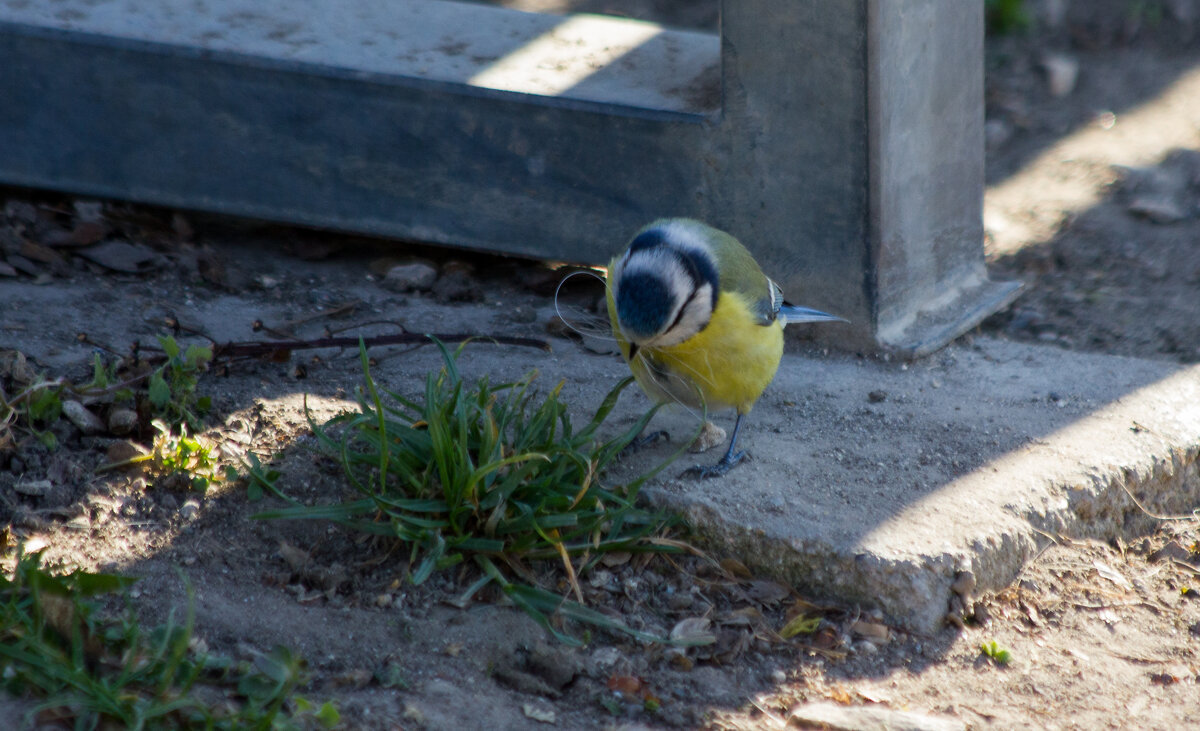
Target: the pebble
(190, 509)
(996, 132)
(410, 277)
(34, 488)
(964, 583)
(1157, 210)
(82, 418)
(830, 715)
(122, 421)
(1062, 73)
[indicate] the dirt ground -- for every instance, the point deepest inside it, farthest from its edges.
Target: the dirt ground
(1094, 201)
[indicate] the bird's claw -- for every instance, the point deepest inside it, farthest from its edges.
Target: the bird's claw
(723, 465)
(646, 440)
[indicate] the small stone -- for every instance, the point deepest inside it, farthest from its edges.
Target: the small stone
(121, 256)
(125, 450)
(1157, 210)
(88, 211)
(1062, 73)
(33, 488)
(414, 276)
(876, 397)
(831, 715)
(996, 132)
(982, 614)
(190, 509)
(964, 583)
(711, 436)
(84, 420)
(122, 421)
(523, 314)
(555, 665)
(457, 285)
(603, 660)
(682, 600)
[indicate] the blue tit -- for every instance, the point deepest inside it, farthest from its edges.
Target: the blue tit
(698, 322)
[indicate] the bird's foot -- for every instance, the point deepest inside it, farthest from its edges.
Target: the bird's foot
(723, 465)
(645, 440)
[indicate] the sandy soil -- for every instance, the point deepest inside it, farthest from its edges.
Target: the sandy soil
(1094, 201)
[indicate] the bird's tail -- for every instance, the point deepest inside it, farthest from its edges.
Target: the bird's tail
(794, 314)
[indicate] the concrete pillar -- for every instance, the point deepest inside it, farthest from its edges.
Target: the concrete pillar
(840, 139)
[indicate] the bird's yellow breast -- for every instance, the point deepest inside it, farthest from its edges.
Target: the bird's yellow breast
(730, 362)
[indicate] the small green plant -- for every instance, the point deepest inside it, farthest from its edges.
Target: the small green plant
(997, 653)
(94, 670)
(492, 474)
(1006, 16)
(192, 458)
(167, 392)
(43, 408)
(172, 388)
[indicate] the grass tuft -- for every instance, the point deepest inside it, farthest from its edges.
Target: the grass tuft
(492, 474)
(92, 670)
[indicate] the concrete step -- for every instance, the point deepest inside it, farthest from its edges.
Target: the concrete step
(877, 482)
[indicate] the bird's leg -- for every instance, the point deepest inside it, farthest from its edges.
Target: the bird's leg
(726, 463)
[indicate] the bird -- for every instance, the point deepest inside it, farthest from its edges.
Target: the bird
(698, 322)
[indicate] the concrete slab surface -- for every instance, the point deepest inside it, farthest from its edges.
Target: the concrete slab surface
(586, 57)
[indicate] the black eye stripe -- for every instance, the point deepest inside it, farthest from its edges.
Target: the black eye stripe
(683, 309)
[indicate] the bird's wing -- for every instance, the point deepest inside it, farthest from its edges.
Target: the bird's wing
(741, 274)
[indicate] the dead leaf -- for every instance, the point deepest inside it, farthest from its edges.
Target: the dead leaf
(1111, 574)
(841, 694)
(744, 617)
(731, 644)
(616, 558)
(693, 631)
(801, 624)
(736, 568)
(357, 678)
(121, 256)
(679, 660)
(873, 696)
(1172, 550)
(296, 558)
(37, 252)
(826, 638)
(767, 592)
(626, 684)
(1031, 613)
(873, 631)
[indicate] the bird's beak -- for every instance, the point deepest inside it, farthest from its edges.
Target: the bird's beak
(796, 315)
